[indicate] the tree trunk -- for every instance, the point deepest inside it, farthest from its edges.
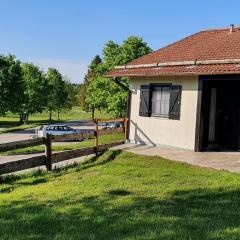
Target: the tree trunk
(93, 113)
(21, 118)
(25, 118)
(50, 115)
(58, 114)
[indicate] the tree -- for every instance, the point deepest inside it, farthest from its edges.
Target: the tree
(35, 91)
(96, 97)
(104, 93)
(86, 94)
(72, 90)
(112, 54)
(132, 48)
(57, 92)
(83, 93)
(25, 89)
(11, 84)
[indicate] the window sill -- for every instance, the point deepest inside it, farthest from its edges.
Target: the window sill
(160, 117)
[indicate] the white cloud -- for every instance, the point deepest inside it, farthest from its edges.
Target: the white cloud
(74, 69)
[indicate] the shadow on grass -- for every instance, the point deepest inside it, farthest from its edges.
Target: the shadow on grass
(119, 192)
(11, 187)
(97, 160)
(193, 214)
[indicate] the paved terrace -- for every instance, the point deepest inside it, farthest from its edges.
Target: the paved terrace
(218, 160)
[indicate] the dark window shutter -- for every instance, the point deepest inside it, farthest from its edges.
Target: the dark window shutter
(175, 102)
(144, 108)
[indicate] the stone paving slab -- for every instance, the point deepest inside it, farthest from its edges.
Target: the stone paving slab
(229, 161)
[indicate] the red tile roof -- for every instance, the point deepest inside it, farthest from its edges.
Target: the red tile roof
(176, 70)
(204, 46)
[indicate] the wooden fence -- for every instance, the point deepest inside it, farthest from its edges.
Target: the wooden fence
(50, 158)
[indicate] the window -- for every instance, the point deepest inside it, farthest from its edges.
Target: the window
(60, 128)
(160, 101)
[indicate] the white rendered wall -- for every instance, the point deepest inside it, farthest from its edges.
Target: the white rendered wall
(163, 131)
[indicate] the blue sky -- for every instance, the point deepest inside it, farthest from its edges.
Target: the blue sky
(67, 34)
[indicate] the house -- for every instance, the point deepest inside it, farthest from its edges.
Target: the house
(187, 94)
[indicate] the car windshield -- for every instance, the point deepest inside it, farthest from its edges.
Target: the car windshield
(59, 128)
(68, 128)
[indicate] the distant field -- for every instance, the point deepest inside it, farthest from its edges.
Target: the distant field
(10, 123)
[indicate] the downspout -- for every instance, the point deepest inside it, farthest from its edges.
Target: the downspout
(125, 88)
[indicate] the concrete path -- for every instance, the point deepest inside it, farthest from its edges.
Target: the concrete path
(218, 160)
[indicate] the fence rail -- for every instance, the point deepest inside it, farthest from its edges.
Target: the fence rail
(21, 144)
(50, 158)
(57, 157)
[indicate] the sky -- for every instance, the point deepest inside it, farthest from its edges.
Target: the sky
(67, 34)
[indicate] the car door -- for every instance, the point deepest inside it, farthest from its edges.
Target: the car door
(50, 130)
(65, 130)
(60, 130)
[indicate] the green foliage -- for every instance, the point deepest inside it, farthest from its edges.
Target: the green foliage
(117, 104)
(25, 89)
(102, 93)
(83, 94)
(96, 97)
(11, 84)
(58, 92)
(35, 89)
(72, 90)
(86, 94)
(132, 48)
(112, 54)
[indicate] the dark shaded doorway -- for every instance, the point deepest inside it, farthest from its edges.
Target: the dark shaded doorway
(220, 114)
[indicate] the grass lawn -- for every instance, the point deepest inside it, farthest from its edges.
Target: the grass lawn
(10, 123)
(121, 195)
(103, 139)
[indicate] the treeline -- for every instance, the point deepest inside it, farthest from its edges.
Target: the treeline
(25, 89)
(98, 92)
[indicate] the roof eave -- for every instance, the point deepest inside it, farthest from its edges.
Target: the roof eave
(172, 74)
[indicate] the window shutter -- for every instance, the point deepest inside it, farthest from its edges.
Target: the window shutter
(175, 102)
(144, 108)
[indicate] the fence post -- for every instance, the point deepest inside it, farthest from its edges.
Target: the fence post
(96, 137)
(48, 152)
(125, 129)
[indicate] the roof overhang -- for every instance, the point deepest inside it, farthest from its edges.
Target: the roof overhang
(195, 67)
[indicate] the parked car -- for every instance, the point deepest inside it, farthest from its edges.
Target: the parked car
(113, 125)
(109, 125)
(55, 130)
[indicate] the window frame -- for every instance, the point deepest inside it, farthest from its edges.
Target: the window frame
(161, 85)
